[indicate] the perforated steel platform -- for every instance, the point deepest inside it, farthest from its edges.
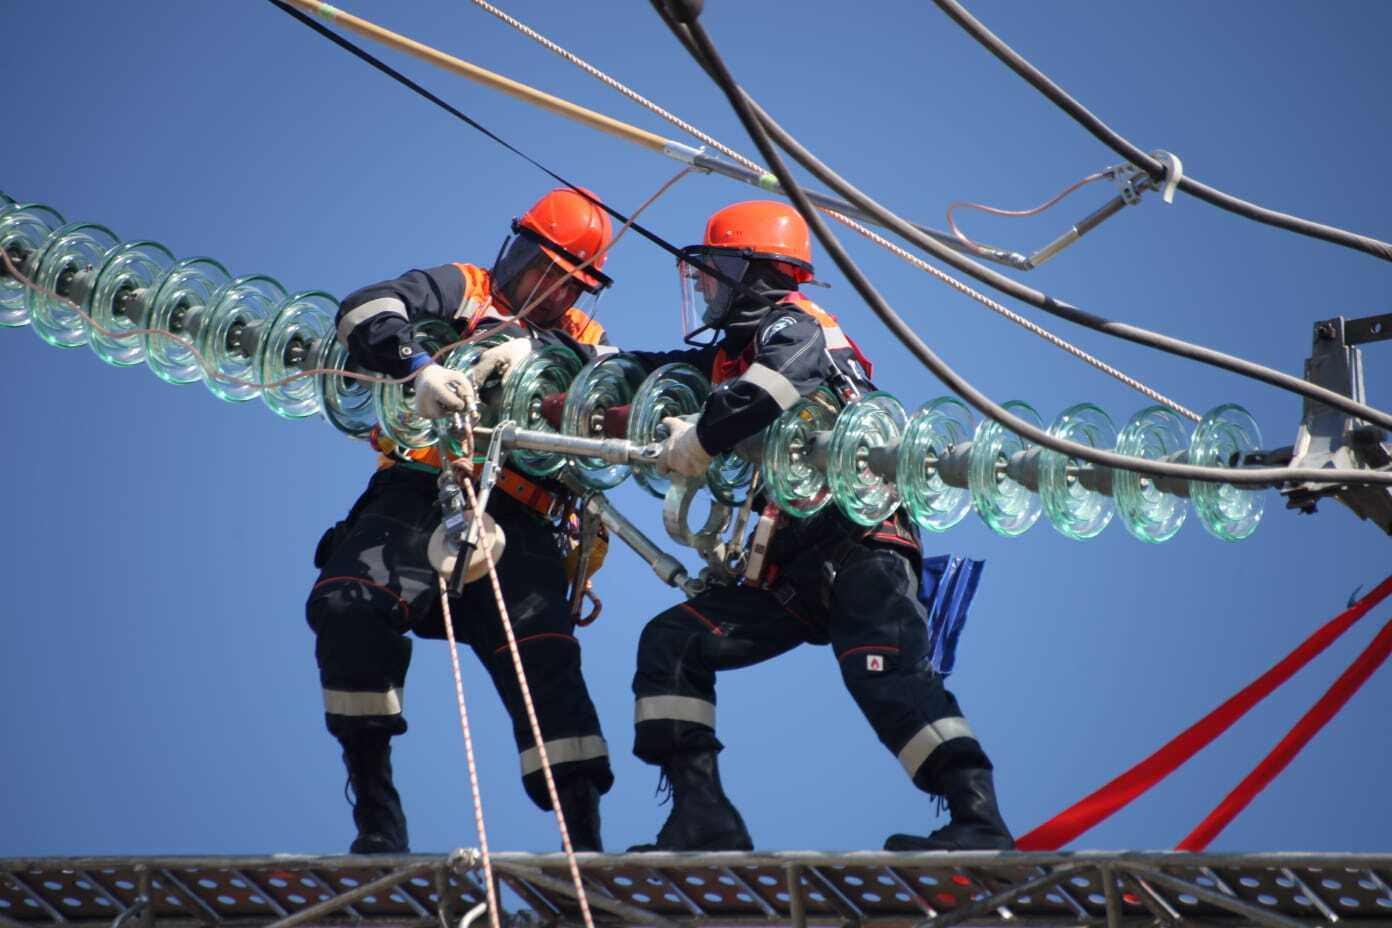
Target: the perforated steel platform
(670, 890)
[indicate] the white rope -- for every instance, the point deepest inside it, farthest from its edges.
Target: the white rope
(850, 223)
(489, 885)
(468, 485)
(633, 95)
(1015, 317)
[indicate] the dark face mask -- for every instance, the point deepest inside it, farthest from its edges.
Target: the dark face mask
(747, 310)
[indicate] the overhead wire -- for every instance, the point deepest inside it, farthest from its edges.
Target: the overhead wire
(1011, 287)
(619, 86)
(694, 37)
(1243, 477)
(1145, 161)
(850, 222)
(394, 74)
(914, 234)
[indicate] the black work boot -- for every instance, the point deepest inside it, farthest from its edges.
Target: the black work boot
(376, 804)
(580, 806)
(976, 823)
(703, 818)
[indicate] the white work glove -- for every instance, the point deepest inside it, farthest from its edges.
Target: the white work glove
(499, 359)
(682, 452)
(441, 391)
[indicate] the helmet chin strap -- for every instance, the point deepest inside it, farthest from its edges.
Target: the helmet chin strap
(690, 337)
(722, 330)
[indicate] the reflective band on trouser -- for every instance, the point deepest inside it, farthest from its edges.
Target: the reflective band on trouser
(343, 702)
(383, 305)
(922, 745)
(772, 383)
(675, 708)
(564, 751)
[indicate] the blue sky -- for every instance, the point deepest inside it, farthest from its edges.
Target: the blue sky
(157, 675)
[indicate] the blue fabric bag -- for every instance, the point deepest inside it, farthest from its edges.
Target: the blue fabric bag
(946, 589)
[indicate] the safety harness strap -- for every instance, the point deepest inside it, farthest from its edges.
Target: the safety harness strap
(1102, 804)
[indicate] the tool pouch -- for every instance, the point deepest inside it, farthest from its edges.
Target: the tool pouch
(946, 587)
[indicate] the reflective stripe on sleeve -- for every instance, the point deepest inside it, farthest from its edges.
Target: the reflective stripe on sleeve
(564, 751)
(922, 745)
(835, 338)
(772, 383)
(677, 708)
(383, 305)
(344, 702)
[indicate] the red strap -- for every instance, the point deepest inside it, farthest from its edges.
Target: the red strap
(1334, 699)
(861, 358)
(1078, 818)
(521, 489)
(725, 368)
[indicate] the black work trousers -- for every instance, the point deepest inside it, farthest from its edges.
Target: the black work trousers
(376, 585)
(878, 633)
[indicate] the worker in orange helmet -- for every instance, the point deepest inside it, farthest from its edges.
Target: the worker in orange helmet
(822, 580)
(376, 582)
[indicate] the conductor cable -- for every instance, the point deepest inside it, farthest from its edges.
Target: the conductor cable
(851, 223)
(375, 62)
(1146, 162)
(1011, 287)
(707, 54)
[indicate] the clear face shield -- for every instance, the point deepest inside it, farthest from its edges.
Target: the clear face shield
(540, 278)
(708, 292)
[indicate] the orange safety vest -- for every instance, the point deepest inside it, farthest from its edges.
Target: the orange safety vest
(838, 342)
(474, 308)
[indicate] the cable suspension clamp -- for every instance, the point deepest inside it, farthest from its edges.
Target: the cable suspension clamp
(1131, 182)
(1174, 173)
(684, 153)
(1330, 438)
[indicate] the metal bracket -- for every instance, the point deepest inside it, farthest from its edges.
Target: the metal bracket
(1328, 437)
(1368, 329)
(676, 515)
(1131, 182)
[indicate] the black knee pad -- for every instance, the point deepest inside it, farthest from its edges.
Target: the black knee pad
(339, 600)
(357, 642)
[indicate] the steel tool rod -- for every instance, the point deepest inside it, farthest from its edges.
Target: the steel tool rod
(609, 450)
(668, 569)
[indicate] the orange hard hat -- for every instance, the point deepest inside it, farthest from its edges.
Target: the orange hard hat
(575, 228)
(765, 229)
